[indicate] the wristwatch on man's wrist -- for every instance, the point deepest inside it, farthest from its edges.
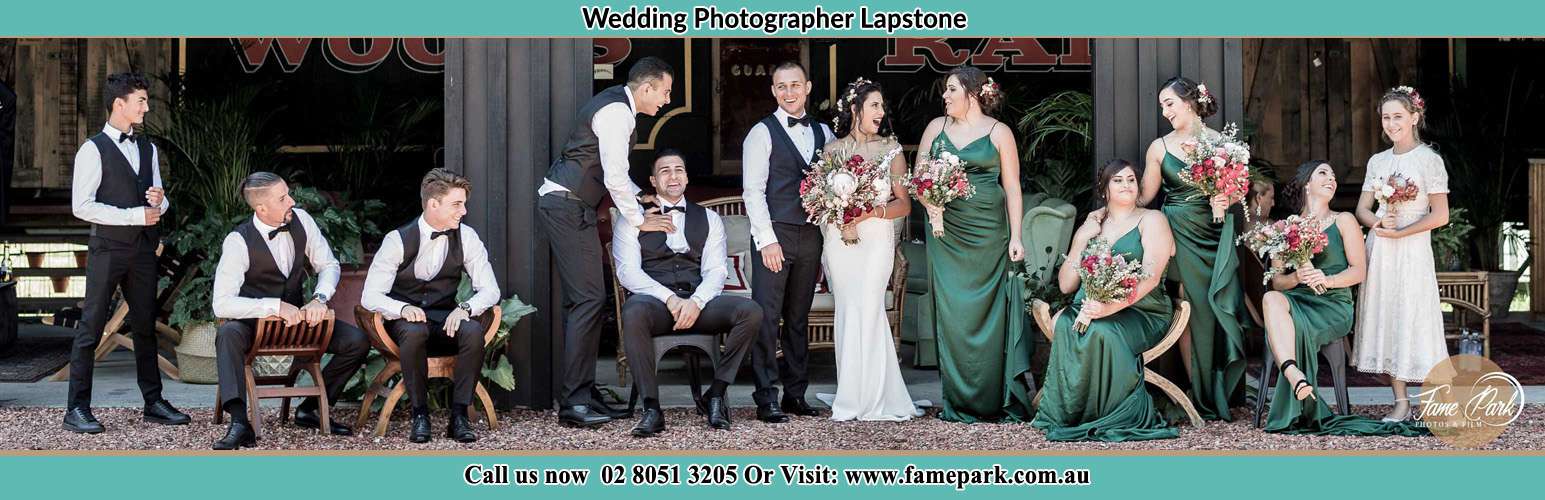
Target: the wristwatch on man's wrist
(320, 297)
(465, 306)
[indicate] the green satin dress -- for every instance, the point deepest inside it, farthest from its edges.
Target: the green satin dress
(1094, 390)
(1208, 272)
(979, 315)
(1320, 320)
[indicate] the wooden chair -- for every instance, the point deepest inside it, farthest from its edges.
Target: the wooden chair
(1469, 293)
(176, 268)
(307, 343)
(1042, 313)
(439, 367)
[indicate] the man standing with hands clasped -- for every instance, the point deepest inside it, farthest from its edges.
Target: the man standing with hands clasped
(117, 188)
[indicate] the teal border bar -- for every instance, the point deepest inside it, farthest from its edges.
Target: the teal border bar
(561, 18)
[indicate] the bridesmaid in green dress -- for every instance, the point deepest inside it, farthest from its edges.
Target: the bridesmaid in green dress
(1299, 321)
(984, 359)
(1213, 345)
(1094, 386)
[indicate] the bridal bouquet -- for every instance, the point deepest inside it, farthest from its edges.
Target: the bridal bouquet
(1105, 277)
(1219, 165)
(940, 181)
(839, 188)
(1394, 190)
(1289, 243)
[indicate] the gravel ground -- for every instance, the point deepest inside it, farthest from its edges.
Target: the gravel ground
(39, 429)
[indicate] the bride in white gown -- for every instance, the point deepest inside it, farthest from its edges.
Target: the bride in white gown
(869, 383)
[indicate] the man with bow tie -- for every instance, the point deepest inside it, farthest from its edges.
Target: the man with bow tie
(787, 261)
(117, 188)
(412, 283)
(263, 265)
(675, 279)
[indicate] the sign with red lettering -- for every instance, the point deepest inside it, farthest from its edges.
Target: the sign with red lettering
(349, 55)
(1024, 55)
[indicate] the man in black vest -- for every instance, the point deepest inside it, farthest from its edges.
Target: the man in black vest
(117, 188)
(675, 279)
(263, 264)
(776, 153)
(593, 166)
(412, 282)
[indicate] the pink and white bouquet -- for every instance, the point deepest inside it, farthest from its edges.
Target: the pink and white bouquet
(1289, 243)
(1395, 189)
(1106, 277)
(938, 182)
(1219, 165)
(839, 188)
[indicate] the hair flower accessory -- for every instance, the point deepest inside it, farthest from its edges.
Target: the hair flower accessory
(1416, 99)
(1206, 96)
(991, 87)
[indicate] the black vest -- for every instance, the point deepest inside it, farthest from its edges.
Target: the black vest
(579, 167)
(263, 279)
(122, 188)
(680, 272)
(785, 169)
(438, 292)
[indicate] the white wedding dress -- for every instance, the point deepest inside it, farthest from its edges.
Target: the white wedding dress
(869, 383)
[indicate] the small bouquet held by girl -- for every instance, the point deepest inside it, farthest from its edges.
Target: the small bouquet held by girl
(1219, 165)
(940, 181)
(1289, 243)
(1395, 190)
(839, 188)
(1105, 277)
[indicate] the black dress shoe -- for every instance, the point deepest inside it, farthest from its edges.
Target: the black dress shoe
(581, 416)
(239, 434)
(798, 406)
(162, 412)
(718, 414)
(460, 428)
(80, 420)
(653, 422)
(420, 430)
(309, 418)
(768, 412)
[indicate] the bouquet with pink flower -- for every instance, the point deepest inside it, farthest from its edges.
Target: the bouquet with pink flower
(1289, 243)
(1394, 190)
(840, 187)
(1219, 165)
(1105, 277)
(940, 181)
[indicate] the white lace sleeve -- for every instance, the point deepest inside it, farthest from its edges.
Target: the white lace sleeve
(1435, 174)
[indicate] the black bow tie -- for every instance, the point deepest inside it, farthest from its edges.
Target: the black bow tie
(669, 208)
(799, 121)
(132, 138)
(281, 229)
(445, 233)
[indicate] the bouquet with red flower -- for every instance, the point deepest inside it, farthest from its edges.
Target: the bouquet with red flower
(1289, 243)
(1105, 277)
(840, 187)
(940, 181)
(1219, 165)
(1394, 190)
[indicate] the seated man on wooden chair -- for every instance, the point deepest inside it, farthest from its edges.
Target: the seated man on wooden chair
(263, 264)
(675, 279)
(412, 283)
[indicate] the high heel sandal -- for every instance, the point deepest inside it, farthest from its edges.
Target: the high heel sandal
(1403, 418)
(1302, 383)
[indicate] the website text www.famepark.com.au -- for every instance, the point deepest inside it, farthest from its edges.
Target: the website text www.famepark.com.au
(722, 474)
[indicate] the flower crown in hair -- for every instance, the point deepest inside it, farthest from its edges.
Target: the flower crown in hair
(847, 99)
(1410, 93)
(991, 88)
(1206, 97)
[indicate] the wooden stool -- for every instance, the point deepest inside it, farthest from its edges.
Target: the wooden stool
(439, 367)
(307, 343)
(1042, 313)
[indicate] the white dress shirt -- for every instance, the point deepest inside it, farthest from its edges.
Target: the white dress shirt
(231, 272)
(629, 262)
(612, 124)
(755, 155)
(88, 177)
(431, 257)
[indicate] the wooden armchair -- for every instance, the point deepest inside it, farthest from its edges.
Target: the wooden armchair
(307, 343)
(439, 367)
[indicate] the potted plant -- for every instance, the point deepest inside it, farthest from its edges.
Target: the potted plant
(1450, 241)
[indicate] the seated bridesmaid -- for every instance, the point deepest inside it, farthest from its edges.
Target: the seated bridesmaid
(1094, 381)
(1299, 321)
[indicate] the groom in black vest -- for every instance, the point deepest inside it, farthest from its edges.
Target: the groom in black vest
(676, 279)
(776, 153)
(263, 265)
(592, 167)
(117, 188)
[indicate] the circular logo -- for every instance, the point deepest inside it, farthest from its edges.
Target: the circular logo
(1467, 401)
